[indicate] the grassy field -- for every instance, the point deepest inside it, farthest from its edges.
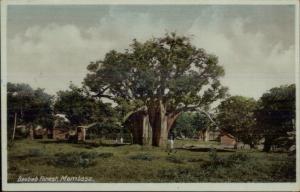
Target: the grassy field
(134, 163)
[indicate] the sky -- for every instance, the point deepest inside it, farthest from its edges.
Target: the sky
(50, 46)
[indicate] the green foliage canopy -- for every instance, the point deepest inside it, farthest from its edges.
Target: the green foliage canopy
(189, 124)
(169, 69)
(80, 108)
(30, 105)
(276, 114)
(236, 116)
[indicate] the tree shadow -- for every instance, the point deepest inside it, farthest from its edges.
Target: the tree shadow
(82, 144)
(95, 145)
(204, 149)
(54, 141)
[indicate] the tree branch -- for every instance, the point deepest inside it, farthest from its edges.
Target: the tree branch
(105, 96)
(132, 112)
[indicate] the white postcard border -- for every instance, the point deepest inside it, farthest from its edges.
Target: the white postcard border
(141, 186)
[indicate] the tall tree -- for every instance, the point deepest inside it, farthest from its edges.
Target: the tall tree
(165, 76)
(203, 124)
(184, 125)
(80, 108)
(29, 105)
(190, 124)
(276, 115)
(236, 116)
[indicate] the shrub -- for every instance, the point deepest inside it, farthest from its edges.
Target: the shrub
(94, 144)
(174, 159)
(195, 160)
(216, 161)
(35, 152)
(74, 159)
(88, 155)
(65, 160)
(105, 155)
(142, 156)
(239, 157)
(178, 174)
(285, 171)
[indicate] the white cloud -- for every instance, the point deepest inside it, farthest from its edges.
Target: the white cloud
(252, 65)
(48, 57)
(51, 56)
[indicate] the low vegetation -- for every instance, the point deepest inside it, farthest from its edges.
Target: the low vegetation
(142, 156)
(135, 163)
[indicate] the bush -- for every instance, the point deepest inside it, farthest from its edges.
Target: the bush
(142, 156)
(65, 160)
(105, 155)
(74, 159)
(175, 159)
(285, 171)
(179, 174)
(216, 161)
(91, 136)
(94, 144)
(237, 157)
(192, 160)
(35, 152)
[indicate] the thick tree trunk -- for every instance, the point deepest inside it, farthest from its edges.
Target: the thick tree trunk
(267, 145)
(158, 121)
(151, 127)
(171, 120)
(141, 128)
(252, 146)
(147, 131)
(83, 134)
(200, 135)
(161, 123)
(15, 125)
(206, 137)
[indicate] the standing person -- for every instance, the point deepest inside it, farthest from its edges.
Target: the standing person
(170, 146)
(31, 132)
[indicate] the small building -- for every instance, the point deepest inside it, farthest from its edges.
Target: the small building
(213, 135)
(61, 128)
(60, 133)
(81, 131)
(39, 132)
(227, 139)
(66, 133)
(208, 135)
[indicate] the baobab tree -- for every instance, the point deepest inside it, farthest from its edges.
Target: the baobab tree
(162, 77)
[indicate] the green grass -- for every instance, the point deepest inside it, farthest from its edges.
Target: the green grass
(194, 142)
(134, 163)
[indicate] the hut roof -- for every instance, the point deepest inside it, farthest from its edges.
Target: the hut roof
(223, 133)
(62, 116)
